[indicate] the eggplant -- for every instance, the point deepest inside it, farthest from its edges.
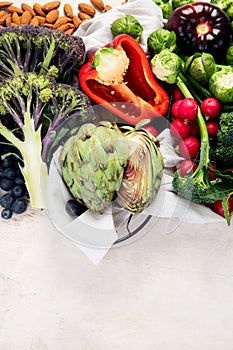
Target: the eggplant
(201, 27)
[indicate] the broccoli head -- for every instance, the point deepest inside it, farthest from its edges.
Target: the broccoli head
(192, 187)
(32, 107)
(41, 50)
(222, 154)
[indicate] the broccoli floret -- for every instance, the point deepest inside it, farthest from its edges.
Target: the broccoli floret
(38, 49)
(193, 187)
(222, 154)
(32, 106)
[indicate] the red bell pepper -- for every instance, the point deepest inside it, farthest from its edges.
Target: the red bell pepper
(136, 95)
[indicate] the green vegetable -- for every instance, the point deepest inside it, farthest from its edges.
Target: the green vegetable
(196, 187)
(31, 108)
(161, 39)
(42, 50)
(229, 55)
(201, 66)
(93, 163)
(142, 176)
(127, 25)
(223, 152)
(165, 7)
(178, 3)
(221, 84)
(166, 66)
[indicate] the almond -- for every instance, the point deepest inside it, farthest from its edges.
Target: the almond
(15, 18)
(107, 7)
(16, 9)
(60, 21)
(8, 20)
(40, 19)
(98, 4)
(35, 21)
(86, 8)
(52, 5)
(5, 4)
(68, 10)
(26, 7)
(69, 31)
(77, 21)
(65, 27)
(47, 25)
(83, 16)
(2, 13)
(52, 16)
(3, 19)
(38, 9)
(26, 18)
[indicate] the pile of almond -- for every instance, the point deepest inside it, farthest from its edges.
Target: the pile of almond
(51, 15)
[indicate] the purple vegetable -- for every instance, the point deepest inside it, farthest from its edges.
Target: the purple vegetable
(201, 27)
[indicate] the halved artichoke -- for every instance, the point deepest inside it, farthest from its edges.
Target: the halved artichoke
(93, 163)
(143, 173)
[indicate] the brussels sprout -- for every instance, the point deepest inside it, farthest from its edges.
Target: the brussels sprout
(127, 25)
(221, 84)
(165, 6)
(201, 66)
(161, 39)
(178, 3)
(166, 66)
(229, 55)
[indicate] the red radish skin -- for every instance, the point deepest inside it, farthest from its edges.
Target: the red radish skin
(179, 128)
(211, 107)
(177, 94)
(217, 207)
(212, 176)
(174, 109)
(188, 109)
(189, 147)
(187, 167)
(212, 128)
(194, 128)
(151, 129)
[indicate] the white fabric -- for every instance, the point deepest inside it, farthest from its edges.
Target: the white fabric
(96, 32)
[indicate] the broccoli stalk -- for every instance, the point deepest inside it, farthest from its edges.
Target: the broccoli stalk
(31, 108)
(194, 187)
(34, 169)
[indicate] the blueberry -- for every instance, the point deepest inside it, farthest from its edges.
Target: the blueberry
(19, 206)
(7, 162)
(6, 200)
(6, 214)
(1, 171)
(9, 173)
(6, 184)
(18, 191)
(74, 208)
(19, 180)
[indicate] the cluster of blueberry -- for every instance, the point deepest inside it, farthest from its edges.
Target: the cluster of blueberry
(14, 197)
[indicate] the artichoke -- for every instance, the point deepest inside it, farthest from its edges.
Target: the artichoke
(93, 162)
(143, 173)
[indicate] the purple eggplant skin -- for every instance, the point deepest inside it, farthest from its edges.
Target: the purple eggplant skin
(201, 27)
